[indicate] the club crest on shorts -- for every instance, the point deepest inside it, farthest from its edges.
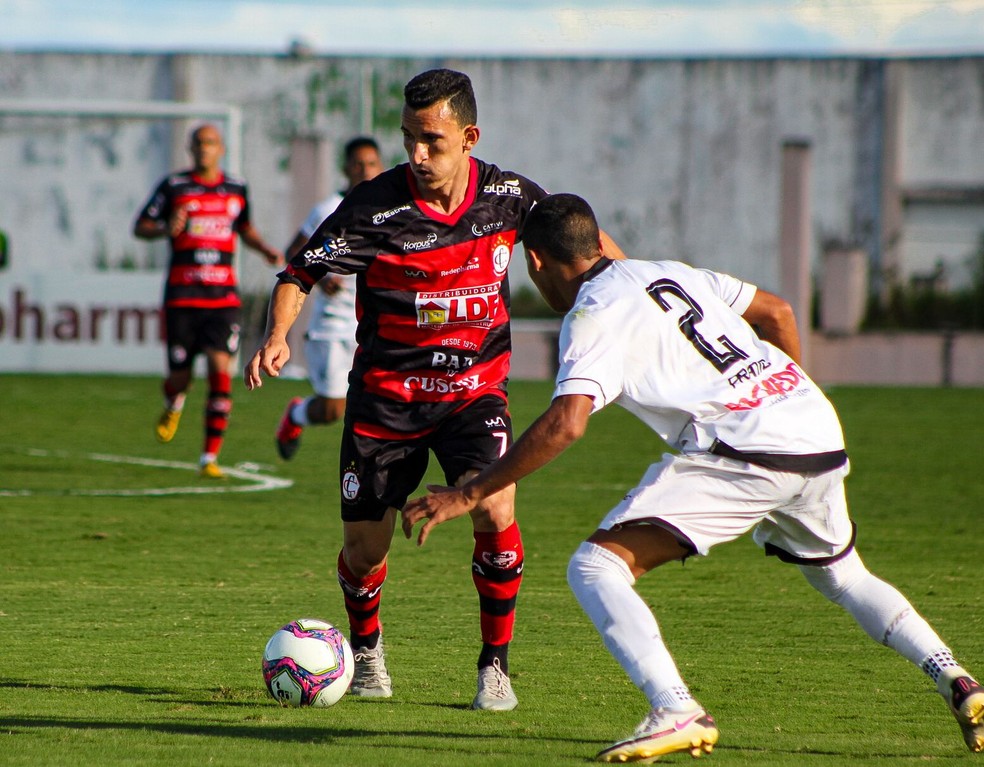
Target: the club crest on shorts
(350, 485)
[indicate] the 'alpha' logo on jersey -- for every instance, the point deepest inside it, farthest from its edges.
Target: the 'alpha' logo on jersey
(508, 188)
(414, 274)
(465, 306)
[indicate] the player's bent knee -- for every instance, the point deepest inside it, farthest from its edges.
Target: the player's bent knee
(362, 563)
(497, 512)
(591, 562)
(366, 545)
(835, 580)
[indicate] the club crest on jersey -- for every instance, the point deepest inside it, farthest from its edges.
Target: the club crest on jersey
(501, 253)
(464, 306)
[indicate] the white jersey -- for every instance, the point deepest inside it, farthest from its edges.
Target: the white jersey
(667, 342)
(332, 316)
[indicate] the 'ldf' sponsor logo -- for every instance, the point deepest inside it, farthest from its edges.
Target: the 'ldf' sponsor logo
(472, 306)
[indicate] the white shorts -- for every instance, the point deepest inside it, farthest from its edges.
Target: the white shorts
(329, 363)
(707, 499)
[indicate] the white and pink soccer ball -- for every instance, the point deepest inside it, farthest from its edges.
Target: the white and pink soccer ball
(308, 662)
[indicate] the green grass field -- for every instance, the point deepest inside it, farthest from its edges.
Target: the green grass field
(132, 620)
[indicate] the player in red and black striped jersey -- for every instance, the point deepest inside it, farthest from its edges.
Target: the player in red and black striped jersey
(433, 305)
(430, 241)
(201, 211)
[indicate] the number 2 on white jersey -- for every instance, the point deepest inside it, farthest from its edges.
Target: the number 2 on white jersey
(720, 359)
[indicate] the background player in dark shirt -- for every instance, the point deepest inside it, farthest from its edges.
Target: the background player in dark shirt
(430, 241)
(201, 211)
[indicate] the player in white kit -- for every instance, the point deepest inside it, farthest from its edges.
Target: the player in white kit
(329, 343)
(759, 447)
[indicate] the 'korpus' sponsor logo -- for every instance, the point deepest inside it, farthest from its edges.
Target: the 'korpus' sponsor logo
(423, 244)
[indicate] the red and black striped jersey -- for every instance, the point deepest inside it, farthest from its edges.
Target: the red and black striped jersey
(432, 294)
(201, 273)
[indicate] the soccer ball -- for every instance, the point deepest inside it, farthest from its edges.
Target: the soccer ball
(308, 663)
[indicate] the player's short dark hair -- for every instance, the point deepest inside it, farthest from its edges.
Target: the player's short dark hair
(436, 85)
(564, 227)
(359, 142)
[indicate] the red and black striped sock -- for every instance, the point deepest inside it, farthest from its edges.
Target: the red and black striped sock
(497, 570)
(362, 598)
(217, 409)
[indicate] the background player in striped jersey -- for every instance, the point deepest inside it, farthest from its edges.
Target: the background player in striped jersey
(760, 449)
(329, 343)
(201, 211)
(430, 241)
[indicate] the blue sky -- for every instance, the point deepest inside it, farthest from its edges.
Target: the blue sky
(500, 27)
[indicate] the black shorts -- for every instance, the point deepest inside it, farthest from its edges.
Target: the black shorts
(192, 331)
(377, 474)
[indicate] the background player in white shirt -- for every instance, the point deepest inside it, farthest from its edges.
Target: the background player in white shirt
(330, 339)
(760, 449)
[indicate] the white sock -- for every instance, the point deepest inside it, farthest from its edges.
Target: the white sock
(207, 458)
(602, 583)
(298, 413)
(879, 608)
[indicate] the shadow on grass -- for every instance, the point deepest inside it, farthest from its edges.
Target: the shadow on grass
(281, 731)
(286, 732)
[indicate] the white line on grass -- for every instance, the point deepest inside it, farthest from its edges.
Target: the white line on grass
(247, 472)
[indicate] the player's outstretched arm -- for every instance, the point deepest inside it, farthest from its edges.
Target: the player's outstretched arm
(273, 354)
(563, 423)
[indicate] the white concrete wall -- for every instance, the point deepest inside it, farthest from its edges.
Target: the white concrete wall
(680, 157)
